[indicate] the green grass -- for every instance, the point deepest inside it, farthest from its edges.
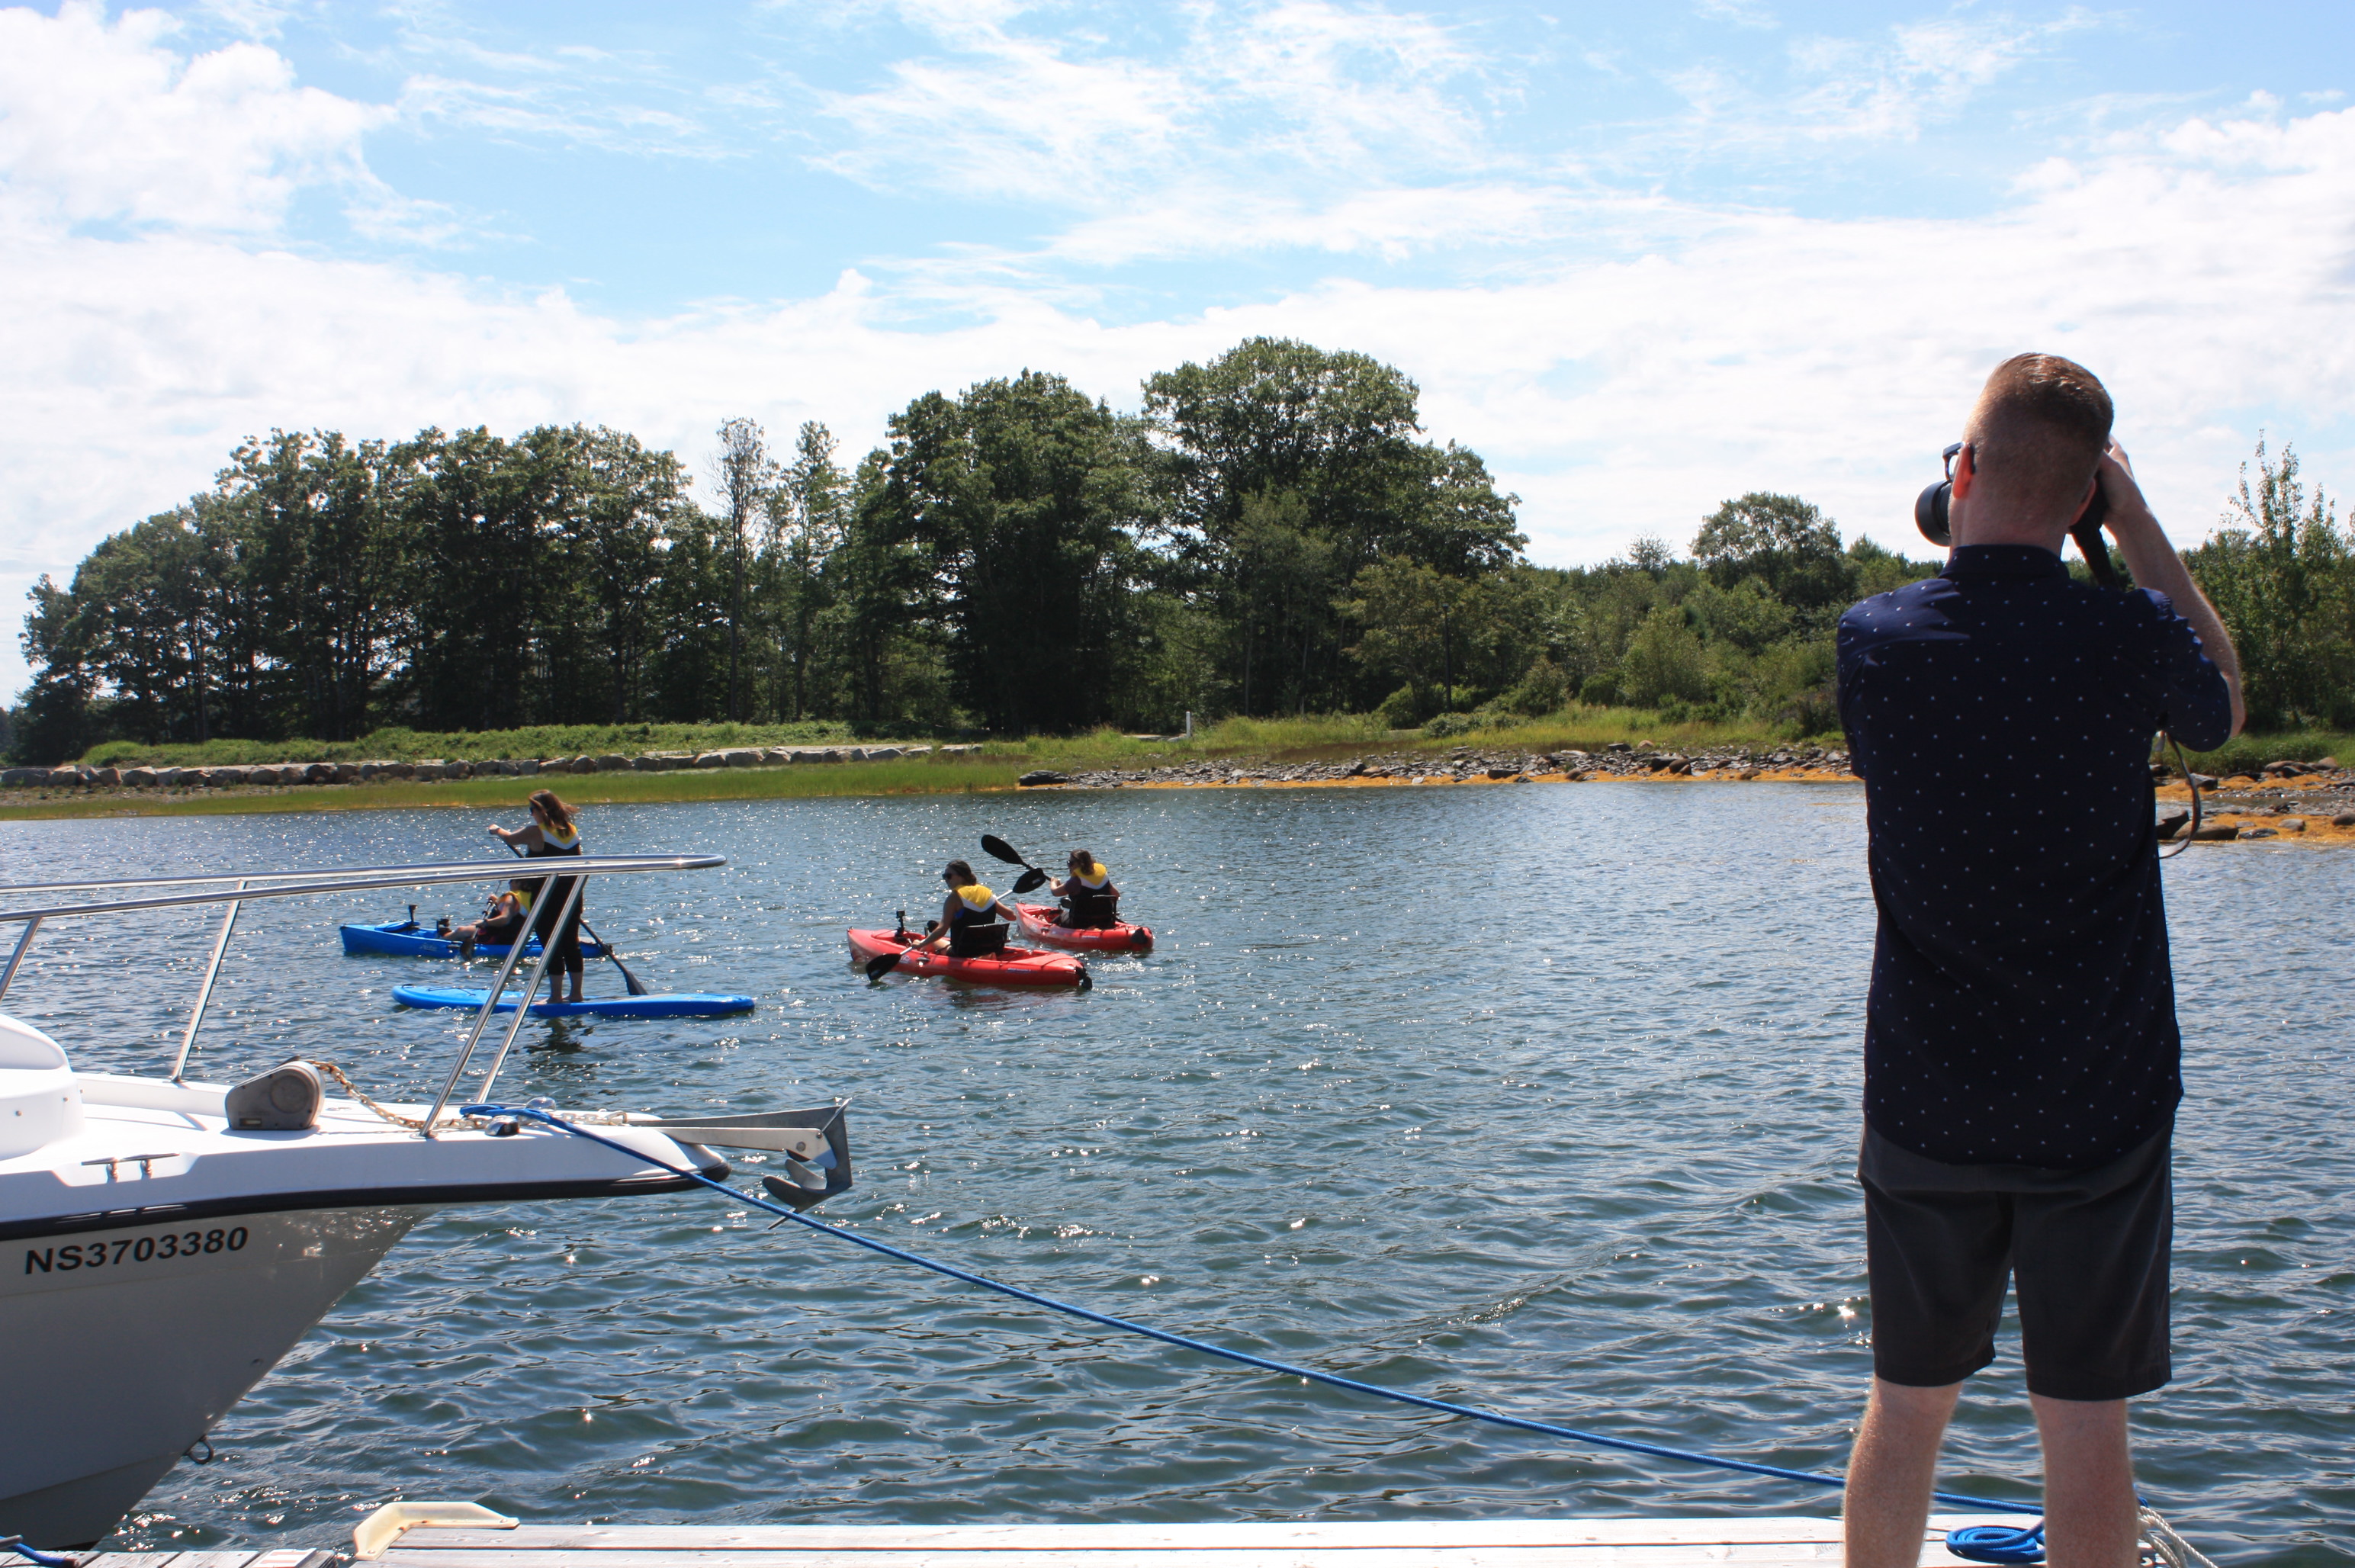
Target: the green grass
(933, 775)
(410, 745)
(2246, 753)
(995, 767)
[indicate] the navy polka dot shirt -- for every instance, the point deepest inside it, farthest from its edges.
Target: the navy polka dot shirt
(2000, 714)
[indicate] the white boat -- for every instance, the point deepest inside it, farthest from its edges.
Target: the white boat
(164, 1242)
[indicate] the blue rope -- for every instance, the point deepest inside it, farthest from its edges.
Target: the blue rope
(1998, 1543)
(1470, 1412)
(39, 1559)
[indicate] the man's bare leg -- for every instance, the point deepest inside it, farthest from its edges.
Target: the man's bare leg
(1889, 1474)
(2089, 1495)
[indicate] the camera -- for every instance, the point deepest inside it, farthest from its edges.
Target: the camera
(1930, 509)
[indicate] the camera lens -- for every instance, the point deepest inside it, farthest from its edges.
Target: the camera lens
(1930, 512)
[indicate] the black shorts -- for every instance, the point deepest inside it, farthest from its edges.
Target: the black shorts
(564, 947)
(2087, 1249)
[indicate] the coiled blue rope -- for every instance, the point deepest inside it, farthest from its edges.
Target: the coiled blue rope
(1185, 1342)
(1998, 1543)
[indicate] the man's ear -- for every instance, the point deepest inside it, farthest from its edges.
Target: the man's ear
(1967, 470)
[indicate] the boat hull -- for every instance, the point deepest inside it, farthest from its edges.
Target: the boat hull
(407, 939)
(1018, 966)
(148, 1334)
(1039, 925)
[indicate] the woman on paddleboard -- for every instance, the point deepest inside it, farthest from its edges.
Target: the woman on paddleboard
(1090, 900)
(972, 922)
(552, 831)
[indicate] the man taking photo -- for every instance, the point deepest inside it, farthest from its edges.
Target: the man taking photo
(2020, 1045)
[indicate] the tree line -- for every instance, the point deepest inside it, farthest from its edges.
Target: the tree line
(1270, 534)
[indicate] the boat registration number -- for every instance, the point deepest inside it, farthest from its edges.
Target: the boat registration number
(125, 1249)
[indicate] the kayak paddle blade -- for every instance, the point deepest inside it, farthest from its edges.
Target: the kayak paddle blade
(992, 843)
(1030, 880)
(881, 965)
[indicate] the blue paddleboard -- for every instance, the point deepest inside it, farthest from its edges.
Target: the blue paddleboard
(407, 939)
(665, 1005)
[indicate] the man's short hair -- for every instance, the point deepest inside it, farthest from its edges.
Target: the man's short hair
(2039, 429)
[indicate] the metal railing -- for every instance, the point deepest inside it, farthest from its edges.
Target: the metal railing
(236, 889)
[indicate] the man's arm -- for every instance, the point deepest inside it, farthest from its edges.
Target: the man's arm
(2152, 560)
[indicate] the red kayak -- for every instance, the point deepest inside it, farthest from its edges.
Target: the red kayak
(1011, 966)
(1039, 925)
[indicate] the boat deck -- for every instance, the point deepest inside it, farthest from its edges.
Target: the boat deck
(1399, 1543)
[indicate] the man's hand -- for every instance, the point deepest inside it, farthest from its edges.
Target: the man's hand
(2151, 557)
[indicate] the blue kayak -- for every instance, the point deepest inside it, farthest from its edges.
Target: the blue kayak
(664, 1005)
(407, 939)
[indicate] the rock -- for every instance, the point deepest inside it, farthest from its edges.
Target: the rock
(1500, 773)
(1049, 776)
(612, 763)
(816, 754)
(18, 778)
(711, 759)
(884, 753)
(743, 757)
(227, 776)
(959, 751)
(2204, 781)
(2217, 833)
(108, 777)
(2344, 819)
(1621, 746)
(526, 767)
(344, 773)
(2258, 832)
(2293, 825)
(776, 756)
(556, 764)
(584, 764)
(2168, 826)
(2329, 762)
(140, 778)
(497, 767)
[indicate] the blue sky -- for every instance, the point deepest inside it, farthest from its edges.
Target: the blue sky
(1640, 257)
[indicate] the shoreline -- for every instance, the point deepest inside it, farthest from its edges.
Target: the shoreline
(2316, 805)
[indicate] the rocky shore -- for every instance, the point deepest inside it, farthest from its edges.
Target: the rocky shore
(281, 774)
(2312, 801)
(1470, 764)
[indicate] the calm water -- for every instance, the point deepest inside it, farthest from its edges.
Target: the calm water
(1597, 1172)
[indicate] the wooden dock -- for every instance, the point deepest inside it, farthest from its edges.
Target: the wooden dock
(1400, 1543)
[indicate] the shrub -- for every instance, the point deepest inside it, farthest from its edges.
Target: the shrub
(1447, 725)
(1542, 688)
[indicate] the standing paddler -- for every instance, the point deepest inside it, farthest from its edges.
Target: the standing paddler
(552, 831)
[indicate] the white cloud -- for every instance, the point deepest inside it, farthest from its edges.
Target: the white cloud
(107, 122)
(1294, 93)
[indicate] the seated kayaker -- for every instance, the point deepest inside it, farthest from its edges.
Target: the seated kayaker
(1090, 900)
(503, 921)
(973, 923)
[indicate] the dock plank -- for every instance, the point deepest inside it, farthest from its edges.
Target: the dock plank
(1221, 1535)
(1764, 1543)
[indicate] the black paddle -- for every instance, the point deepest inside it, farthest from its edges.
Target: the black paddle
(628, 979)
(1032, 877)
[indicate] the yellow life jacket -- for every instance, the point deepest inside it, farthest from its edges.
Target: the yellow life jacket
(561, 840)
(522, 898)
(977, 899)
(1094, 877)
